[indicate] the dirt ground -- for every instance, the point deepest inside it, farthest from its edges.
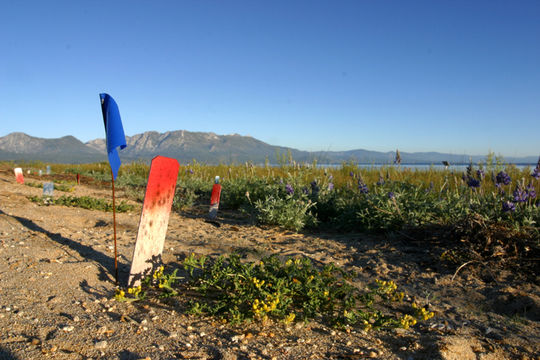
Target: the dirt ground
(57, 291)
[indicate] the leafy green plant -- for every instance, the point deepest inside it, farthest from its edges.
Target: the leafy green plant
(288, 213)
(291, 290)
(85, 202)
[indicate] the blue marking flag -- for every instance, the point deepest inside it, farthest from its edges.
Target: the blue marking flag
(114, 131)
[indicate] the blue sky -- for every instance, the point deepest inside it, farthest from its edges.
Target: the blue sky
(449, 76)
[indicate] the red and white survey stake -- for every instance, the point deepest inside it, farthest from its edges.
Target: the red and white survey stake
(154, 218)
(19, 175)
(214, 199)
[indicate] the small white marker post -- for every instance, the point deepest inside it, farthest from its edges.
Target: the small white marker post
(154, 218)
(48, 189)
(19, 175)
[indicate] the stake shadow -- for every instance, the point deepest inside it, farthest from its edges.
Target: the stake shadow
(6, 355)
(105, 263)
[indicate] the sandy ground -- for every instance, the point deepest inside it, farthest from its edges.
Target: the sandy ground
(57, 289)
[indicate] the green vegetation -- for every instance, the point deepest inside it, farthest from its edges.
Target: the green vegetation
(281, 291)
(85, 202)
(487, 214)
(57, 186)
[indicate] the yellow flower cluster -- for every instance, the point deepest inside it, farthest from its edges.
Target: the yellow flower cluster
(386, 286)
(258, 283)
(135, 291)
(158, 273)
(406, 321)
(389, 288)
(291, 261)
(120, 295)
(367, 325)
(422, 313)
(261, 308)
(290, 318)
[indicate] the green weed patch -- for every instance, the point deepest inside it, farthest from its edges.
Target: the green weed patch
(85, 202)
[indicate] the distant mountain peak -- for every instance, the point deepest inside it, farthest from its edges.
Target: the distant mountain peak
(205, 147)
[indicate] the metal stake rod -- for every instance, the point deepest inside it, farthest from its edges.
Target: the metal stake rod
(114, 227)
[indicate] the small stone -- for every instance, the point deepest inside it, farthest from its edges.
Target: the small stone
(237, 338)
(372, 354)
(101, 344)
(173, 335)
(35, 341)
(76, 319)
(68, 328)
(188, 345)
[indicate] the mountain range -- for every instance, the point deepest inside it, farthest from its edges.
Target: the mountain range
(209, 148)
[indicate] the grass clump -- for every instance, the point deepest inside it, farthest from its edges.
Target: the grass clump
(59, 187)
(85, 202)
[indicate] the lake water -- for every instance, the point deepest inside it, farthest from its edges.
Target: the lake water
(457, 168)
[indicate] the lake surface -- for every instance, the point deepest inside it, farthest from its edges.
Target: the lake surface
(458, 168)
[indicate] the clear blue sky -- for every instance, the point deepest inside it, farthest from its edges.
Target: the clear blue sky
(448, 76)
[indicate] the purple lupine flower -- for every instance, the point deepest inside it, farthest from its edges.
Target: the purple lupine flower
(481, 174)
(499, 187)
(503, 178)
(305, 190)
(330, 177)
(473, 183)
(520, 195)
(289, 189)
(391, 195)
(531, 191)
(330, 186)
(464, 177)
(362, 187)
(508, 206)
(351, 174)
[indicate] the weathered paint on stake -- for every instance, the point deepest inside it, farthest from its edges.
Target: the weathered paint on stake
(214, 201)
(154, 218)
(19, 175)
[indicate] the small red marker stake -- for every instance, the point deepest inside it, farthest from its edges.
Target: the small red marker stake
(214, 199)
(19, 175)
(78, 179)
(154, 218)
